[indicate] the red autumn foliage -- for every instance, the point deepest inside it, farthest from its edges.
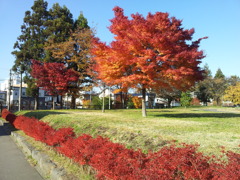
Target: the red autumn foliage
(39, 130)
(231, 170)
(8, 115)
(149, 52)
(195, 102)
(4, 113)
(61, 136)
(114, 161)
(55, 78)
(179, 163)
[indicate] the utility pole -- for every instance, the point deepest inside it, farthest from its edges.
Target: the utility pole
(9, 90)
(20, 92)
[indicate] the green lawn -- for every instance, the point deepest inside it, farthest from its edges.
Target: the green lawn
(210, 127)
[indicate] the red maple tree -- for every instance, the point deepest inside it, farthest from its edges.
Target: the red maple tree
(148, 52)
(54, 78)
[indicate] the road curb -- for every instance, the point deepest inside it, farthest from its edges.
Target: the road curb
(45, 167)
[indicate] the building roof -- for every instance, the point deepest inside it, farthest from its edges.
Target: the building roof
(18, 85)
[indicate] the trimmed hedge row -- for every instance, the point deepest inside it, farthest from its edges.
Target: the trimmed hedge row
(114, 161)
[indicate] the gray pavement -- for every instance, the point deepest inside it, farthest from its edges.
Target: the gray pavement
(13, 164)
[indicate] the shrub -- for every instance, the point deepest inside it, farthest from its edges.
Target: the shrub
(114, 161)
(195, 102)
(8, 116)
(185, 99)
(61, 136)
(130, 103)
(86, 103)
(137, 101)
(97, 102)
(75, 148)
(5, 112)
(19, 121)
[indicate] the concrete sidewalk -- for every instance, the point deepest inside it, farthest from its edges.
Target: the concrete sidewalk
(13, 164)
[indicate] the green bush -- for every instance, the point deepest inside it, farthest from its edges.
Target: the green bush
(98, 102)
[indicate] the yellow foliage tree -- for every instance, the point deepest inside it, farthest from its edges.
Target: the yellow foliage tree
(232, 93)
(137, 101)
(86, 103)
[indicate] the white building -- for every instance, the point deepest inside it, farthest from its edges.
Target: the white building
(11, 91)
(3, 96)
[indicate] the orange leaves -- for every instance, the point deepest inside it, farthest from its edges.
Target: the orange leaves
(137, 101)
(149, 51)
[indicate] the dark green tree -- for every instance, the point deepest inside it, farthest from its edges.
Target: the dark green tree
(207, 72)
(219, 74)
(218, 86)
(233, 80)
(30, 44)
(59, 26)
(203, 88)
(39, 28)
(185, 99)
(81, 22)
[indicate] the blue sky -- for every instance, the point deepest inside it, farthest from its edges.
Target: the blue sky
(217, 19)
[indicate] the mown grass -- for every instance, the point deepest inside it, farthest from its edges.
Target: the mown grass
(211, 128)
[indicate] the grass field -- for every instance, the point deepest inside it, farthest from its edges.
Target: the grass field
(211, 127)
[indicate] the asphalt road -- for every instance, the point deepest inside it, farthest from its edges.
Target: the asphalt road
(13, 164)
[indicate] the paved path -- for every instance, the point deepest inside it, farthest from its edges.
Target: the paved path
(13, 164)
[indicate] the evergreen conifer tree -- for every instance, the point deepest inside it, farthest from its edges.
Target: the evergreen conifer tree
(58, 28)
(41, 27)
(30, 44)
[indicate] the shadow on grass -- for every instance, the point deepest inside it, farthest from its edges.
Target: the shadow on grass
(198, 115)
(42, 114)
(160, 111)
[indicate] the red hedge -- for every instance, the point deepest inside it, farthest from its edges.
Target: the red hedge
(114, 161)
(39, 130)
(8, 116)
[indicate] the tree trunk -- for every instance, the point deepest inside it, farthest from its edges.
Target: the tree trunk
(103, 104)
(53, 103)
(36, 99)
(35, 103)
(103, 100)
(61, 102)
(169, 100)
(122, 102)
(73, 103)
(218, 101)
(144, 112)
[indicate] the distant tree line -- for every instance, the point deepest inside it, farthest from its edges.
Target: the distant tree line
(214, 89)
(217, 87)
